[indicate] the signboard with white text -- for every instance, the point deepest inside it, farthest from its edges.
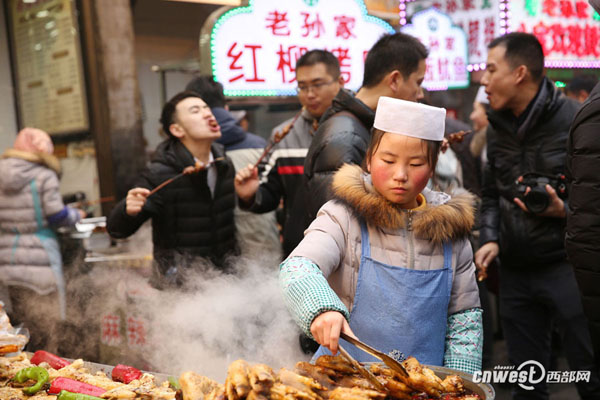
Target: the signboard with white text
(447, 44)
(478, 18)
(254, 49)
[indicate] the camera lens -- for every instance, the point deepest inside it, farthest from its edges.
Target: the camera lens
(537, 200)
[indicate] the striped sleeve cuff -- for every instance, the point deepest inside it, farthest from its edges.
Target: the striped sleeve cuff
(464, 341)
(307, 293)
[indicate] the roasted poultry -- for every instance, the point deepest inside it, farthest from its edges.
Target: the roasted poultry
(334, 378)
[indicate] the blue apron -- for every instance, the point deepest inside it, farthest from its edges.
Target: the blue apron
(50, 243)
(400, 309)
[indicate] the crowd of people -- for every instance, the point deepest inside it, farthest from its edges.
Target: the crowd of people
(373, 244)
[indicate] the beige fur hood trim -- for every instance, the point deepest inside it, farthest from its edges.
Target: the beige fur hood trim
(39, 158)
(443, 218)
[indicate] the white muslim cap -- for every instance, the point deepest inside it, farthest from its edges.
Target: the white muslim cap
(410, 119)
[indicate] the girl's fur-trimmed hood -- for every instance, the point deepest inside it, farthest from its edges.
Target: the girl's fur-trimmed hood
(443, 218)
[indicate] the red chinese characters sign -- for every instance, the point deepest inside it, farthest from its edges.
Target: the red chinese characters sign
(565, 28)
(254, 49)
(447, 44)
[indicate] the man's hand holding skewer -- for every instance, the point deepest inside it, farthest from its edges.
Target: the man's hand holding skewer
(246, 183)
(136, 198)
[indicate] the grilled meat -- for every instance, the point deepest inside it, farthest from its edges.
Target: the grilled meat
(237, 384)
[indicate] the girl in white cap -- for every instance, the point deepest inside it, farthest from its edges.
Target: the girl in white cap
(388, 260)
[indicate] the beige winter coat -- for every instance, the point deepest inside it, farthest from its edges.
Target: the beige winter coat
(333, 240)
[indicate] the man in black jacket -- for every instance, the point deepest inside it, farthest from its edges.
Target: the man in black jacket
(394, 67)
(583, 218)
(192, 216)
(256, 233)
(527, 136)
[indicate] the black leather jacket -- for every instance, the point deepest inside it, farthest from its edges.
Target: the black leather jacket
(187, 221)
(343, 137)
(535, 142)
(583, 220)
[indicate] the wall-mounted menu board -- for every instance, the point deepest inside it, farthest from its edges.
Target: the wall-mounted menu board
(47, 65)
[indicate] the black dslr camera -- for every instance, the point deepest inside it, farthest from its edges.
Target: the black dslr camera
(538, 199)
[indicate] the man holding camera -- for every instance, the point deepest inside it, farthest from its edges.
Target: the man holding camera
(523, 212)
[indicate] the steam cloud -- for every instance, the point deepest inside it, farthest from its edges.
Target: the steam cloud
(217, 319)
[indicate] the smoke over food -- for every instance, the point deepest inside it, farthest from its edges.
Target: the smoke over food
(225, 318)
(215, 319)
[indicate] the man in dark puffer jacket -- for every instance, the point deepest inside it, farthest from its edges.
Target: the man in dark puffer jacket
(529, 124)
(193, 216)
(583, 219)
(395, 67)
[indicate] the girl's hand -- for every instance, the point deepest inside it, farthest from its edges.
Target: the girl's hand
(246, 183)
(326, 329)
(136, 198)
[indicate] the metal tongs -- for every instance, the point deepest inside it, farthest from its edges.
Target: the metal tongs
(368, 375)
(387, 360)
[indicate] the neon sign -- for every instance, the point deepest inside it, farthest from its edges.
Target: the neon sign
(447, 44)
(254, 49)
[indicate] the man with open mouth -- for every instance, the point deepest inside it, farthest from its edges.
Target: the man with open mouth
(192, 216)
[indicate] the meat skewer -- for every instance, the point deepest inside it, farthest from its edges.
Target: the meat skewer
(277, 138)
(457, 137)
(192, 169)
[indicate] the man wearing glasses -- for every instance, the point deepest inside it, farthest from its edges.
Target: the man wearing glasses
(319, 80)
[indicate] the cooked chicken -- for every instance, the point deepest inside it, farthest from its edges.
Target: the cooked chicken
(398, 389)
(453, 384)
(237, 384)
(256, 396)
(339, 364)
(358, 381)
(280, 391)
(318, 373)
(342, 393)
(195, 386)
(421, 379)
(297, 381)
(261, 378)
(218, 393)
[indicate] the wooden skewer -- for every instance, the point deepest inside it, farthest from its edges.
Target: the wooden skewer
(277, 138)
(86, 203)
(192, 169)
